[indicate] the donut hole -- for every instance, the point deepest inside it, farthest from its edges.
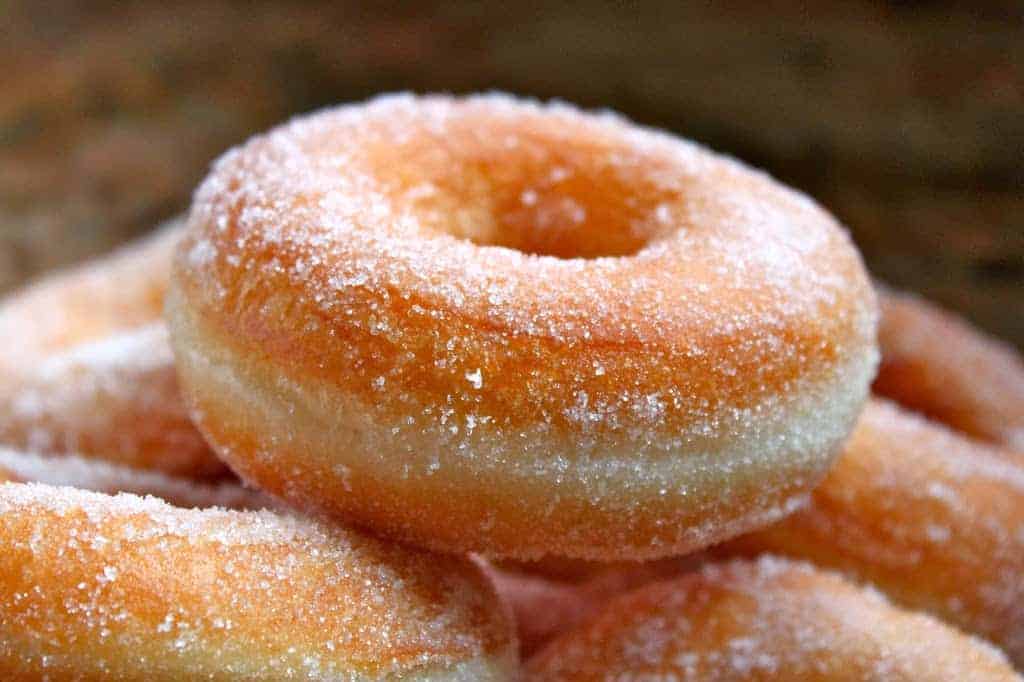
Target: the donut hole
(568, 212)
(544, 197)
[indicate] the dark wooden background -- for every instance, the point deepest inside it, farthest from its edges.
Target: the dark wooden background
(905, 119)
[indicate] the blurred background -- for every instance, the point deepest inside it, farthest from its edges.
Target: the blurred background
(905, 119)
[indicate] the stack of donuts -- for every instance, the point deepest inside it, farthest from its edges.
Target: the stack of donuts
(435, 388)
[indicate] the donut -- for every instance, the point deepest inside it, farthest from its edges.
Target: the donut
(116, 399)
(120, 291)
(937, 363)
(100, 476)
(770, 619)
(934, 520)
(87, 367)
(485, 324)
(122, 587)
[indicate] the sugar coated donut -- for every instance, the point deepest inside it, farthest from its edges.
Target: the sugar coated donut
(100, 476)
(934, 520)
(767, 620)
(87, 368)
(937, 363)
(120, 291)
(492, 325)
(115, 399)
(130, 588)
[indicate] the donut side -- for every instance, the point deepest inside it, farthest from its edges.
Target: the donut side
(325, 452)
(132, 588)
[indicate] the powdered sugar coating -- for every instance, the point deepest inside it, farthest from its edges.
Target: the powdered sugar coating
(131, 588)
(931, 518)
(486, 311)
(766, 620)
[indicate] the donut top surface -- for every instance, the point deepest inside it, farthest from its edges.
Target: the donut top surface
(485, 265)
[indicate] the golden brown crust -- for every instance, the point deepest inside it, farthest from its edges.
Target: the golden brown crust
(768, 620)
(90, 370)
(396, 278)
(929, 517)
(100, 587)
(938, 364)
